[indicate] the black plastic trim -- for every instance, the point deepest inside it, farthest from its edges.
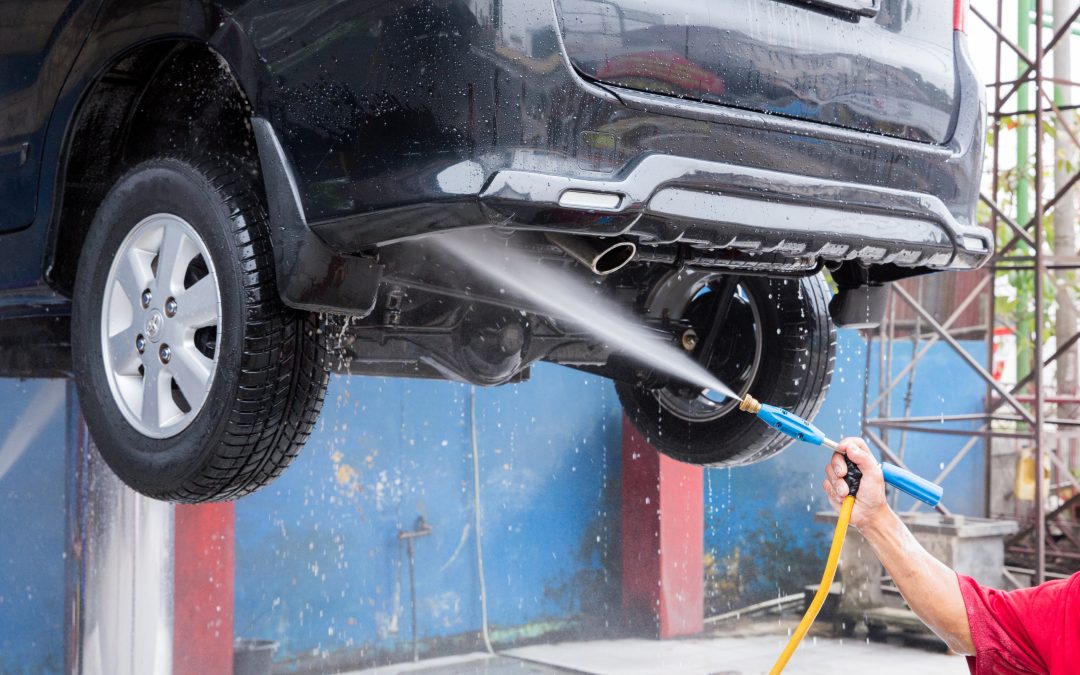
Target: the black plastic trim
(867, 8)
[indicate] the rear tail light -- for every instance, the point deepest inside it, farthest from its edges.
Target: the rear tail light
(959, 14)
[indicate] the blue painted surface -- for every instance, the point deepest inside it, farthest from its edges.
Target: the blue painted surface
(33, 437)
(762, 515)
(319, 567)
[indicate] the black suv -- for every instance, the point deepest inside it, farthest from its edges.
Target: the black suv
(231, 198)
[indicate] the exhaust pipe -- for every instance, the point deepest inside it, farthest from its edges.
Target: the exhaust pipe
(600, 256)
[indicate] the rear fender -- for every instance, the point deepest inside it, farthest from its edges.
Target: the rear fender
(121, 27)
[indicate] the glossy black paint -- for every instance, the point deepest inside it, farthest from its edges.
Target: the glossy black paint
(395, 117)
(890, 73)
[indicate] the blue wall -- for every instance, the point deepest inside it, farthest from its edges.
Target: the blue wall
(318, 564)
(320, 570)
(759, 519)
(33, 477)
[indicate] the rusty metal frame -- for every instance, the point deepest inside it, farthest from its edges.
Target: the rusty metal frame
(1018, 411)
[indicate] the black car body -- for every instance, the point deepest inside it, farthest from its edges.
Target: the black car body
(757, 138)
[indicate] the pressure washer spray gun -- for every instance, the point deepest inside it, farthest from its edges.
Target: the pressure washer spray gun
(798, 428)
(901, 479)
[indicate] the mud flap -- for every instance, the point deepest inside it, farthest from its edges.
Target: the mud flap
(310, 275)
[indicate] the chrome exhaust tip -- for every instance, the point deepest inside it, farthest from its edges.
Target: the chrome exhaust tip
(600, 256)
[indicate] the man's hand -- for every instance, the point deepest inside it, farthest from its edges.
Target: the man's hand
(930, 588)
(870, 501)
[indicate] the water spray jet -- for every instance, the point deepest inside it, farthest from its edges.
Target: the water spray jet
(561, 296)
(551, 290)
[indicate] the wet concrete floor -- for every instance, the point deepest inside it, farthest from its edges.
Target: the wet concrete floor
(724, 655)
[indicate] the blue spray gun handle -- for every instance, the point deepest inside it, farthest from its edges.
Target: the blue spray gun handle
(798, 428)
(916, 486)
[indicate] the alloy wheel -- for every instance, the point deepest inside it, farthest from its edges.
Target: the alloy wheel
(160, 325)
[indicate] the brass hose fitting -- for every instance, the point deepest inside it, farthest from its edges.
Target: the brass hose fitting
(750, 404)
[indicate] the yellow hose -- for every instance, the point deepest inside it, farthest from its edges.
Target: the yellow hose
(823, 590)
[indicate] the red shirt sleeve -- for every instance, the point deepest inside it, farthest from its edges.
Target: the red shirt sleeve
(1030, 630)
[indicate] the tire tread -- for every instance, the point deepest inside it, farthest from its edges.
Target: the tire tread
(284, 366)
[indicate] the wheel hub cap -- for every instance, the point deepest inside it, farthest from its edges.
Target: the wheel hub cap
(697, 406)
(153, 325)
(162, 261)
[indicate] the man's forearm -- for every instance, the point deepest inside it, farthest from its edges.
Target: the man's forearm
(927, 584)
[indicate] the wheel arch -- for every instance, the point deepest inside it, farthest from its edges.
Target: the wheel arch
(142, 104)
(133, 107)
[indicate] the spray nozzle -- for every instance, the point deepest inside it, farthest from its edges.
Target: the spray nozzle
(750, 404)
(784, 421)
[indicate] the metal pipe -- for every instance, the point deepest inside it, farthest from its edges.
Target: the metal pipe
(601, 257)
(1037, 348)
(423, 529)
(959, 349)
(1027, 71)
(1023, 160)
(778, 603)
(991, 304)
(125, 612)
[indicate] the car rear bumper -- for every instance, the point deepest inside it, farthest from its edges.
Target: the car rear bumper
(730, 184)
(661, 199)
(863, 209)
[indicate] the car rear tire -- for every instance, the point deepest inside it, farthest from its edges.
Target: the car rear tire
(776, 342)
(196, 382)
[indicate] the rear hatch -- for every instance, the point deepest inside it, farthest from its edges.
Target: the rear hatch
(883, 66)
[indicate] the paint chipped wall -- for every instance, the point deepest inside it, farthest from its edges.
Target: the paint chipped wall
(319, 565)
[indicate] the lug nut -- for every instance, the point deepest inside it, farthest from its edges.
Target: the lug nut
(140, 343)
(146, 298)
(689, 339)
(170, 307)
(164, 353)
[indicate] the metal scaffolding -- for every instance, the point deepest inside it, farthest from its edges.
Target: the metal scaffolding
(1029, 287)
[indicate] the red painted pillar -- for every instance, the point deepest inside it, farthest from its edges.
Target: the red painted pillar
(663, 540)
(203, 589)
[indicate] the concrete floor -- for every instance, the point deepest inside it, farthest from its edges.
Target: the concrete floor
(466, 664)
(740, 656)
(724, 655)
